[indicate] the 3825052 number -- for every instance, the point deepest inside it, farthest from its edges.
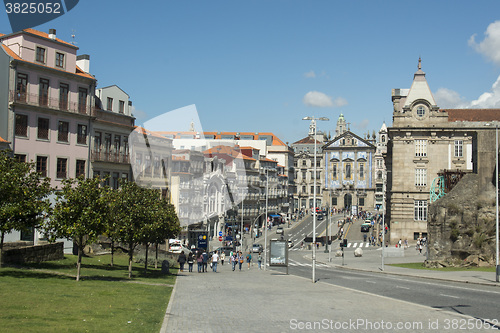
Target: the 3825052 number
(33, 8)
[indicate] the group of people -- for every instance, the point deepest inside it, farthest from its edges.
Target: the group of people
(203, 259)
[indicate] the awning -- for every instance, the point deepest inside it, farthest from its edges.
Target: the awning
(274, 215)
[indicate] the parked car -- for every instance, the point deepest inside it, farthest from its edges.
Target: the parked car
(175, 248)
(257, 248)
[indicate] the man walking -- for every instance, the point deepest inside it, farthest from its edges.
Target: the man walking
(204, 260)
(215, 258)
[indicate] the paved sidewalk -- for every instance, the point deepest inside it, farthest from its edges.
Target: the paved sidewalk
(372, 261)
(269, 301)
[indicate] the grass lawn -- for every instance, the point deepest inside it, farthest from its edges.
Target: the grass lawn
(45, 297)
(419, 265)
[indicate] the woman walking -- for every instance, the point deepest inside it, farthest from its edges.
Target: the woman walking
(222, 258)
(190, 261)
(181, 260)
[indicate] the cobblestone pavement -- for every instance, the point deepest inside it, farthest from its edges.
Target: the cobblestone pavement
(269, 301)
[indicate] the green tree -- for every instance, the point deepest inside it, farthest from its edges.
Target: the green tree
(23, 196)
(79, 213)
(141, 213)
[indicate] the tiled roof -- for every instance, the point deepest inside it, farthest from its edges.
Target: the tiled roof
(472, 114)
(11, 53)
(306, 140)
(265, 159)
(142, 130)
(46, 36)
(3, 141)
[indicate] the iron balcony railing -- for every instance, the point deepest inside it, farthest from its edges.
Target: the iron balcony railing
(51, 103)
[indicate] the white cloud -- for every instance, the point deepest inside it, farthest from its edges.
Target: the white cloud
(490, 46)
(310, 74)
(449, 99)
(362, 125)
(322, 100)
(339, 101)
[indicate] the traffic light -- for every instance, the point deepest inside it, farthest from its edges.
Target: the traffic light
(343, 243)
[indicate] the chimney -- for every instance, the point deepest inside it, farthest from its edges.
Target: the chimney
(52, 34)
(83, 61)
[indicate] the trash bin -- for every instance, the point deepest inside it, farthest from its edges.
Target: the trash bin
(165, 267)
(309, 246)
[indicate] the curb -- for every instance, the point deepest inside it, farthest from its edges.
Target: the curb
(164, 325)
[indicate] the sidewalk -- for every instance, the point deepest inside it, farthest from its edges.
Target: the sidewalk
(372, 261)
(270, 301)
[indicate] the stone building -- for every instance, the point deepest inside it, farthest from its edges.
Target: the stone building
(425, 145)
(349, 164)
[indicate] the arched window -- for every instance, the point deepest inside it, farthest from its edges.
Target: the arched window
(383, 138)
(348, 171)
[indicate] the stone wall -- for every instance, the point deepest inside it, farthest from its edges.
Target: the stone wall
(30, 254)
(461, 225)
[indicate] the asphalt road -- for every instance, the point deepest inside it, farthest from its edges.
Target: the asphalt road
(477, 301)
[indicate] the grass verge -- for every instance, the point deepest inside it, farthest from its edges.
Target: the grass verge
(419, 265)
(46, 298)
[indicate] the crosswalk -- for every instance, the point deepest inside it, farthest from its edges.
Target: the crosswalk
(352, 245)
(296, 263)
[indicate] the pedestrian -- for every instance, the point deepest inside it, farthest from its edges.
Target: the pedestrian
(204, 260)
(420, 247)
(181, 260)
(249, 259)
(234, 259)
(199, 261)
(406, 243)
(190, 261)
(259, 260)
(215, 259)
(400, 242)
(240, 260)
(222, 258)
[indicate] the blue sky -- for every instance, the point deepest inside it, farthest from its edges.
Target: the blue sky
(262, 66)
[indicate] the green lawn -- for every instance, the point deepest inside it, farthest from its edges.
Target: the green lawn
(419, 265)
(46, 298)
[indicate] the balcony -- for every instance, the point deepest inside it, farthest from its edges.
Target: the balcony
(110, 157)
(50, 103)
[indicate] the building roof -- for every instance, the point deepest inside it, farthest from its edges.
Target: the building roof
(419, 88)
(218, 135)
(265, 159)
(472, 114)
(3, 141)
(41, 34)
(142, 130)
(307, 140)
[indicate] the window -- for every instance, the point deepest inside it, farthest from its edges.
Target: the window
(116, 178)
(80, 168)
(82, 100)
(361, 171)
(21, 87)
(21, 125)
(117, 144)
(379, 187)
(459, 148)
(348, 171)
(107, 142)
(379, 175)
(420, 210)
(361, 201)
(334, 201)
(304, 162)
(122, 107)
(40, 54)
(43, 129)
(334, 171)
(62, 131)
(41, 165)
(63, 96)
(380, 163)
(43, 96)
(420, 111)
(420, 148)
(20, 158)
(109, 105)
(97, 142)
(62, 164)
(318, 163)
(420, 177)
(304, 175)
(59, 60)
(125, 146)
(304, 189)
(81, 137)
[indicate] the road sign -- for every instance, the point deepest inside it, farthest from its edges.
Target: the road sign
(220, 233)
(220, 238)
(202, 241)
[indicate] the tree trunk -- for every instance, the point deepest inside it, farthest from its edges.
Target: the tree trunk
(146, 261)
(156, 258)
(79, 262)
(130, 256)
(112, 251)
(1, 249)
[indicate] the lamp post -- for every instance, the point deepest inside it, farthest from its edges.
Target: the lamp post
(313, 122)
(265, 220)
(496, 187)
(241, 229)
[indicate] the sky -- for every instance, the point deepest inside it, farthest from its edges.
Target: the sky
(263, 65)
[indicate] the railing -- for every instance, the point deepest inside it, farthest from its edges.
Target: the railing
(110, 157)
(51, 103)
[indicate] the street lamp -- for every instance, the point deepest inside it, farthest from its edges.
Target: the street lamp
(313, 122)
(496, 186)
(265, 221)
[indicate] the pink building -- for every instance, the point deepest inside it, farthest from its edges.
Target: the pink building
(50, 101)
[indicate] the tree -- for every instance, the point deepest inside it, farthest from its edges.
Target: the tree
(79, 214)
(164, 225)
(23, 196)
(141, 213)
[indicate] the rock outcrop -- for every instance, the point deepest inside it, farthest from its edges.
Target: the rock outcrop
(461, 225)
